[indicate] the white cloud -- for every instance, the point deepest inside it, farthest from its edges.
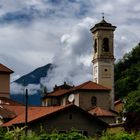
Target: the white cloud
(58, 32)
(14, 77)
(107, 7)
(72, 60)
(19, 89)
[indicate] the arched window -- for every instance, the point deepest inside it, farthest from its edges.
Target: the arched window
(106, 45)
(95, 45)
(94, 101)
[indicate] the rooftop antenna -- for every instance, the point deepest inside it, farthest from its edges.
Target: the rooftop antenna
(26, 112)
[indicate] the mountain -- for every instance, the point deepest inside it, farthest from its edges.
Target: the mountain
(127, 76)
(127, 73)
(33, 100)
(35, 76)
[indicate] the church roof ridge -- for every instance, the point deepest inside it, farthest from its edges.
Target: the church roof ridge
(89, 85)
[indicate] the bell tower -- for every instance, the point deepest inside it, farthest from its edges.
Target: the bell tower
(103, 56)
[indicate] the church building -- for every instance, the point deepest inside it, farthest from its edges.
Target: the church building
(97, 95)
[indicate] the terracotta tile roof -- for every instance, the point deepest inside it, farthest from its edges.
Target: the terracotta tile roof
(89, 85)
(10, 108)
(85, 86)
(15, 109)
(101, 112)
(5, 69)
(58, 92)
(34, 113)
(7, 101)
(5, 113)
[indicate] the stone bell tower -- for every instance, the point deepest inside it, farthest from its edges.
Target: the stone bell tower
(103, 56)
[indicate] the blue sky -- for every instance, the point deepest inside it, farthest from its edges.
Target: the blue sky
(36, 32)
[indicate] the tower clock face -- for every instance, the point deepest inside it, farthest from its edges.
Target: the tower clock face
(106, 71)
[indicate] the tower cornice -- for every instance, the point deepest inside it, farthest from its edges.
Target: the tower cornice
(103, 59)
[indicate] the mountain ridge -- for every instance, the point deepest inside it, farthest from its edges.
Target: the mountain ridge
(34, 76)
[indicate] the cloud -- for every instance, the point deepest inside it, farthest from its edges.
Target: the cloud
(124, 43)
(73, 60)
(36, 32)
(19, 89)
(27, 48)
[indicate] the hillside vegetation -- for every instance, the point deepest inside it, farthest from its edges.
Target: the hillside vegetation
(127, 73)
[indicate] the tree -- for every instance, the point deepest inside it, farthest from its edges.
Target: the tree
(132, 107)
(127, 71)
(133, 102)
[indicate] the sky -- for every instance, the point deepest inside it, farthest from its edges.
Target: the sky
(34, 33)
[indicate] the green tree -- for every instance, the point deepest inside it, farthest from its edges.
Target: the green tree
(133, 102)
(132, 107)
(127, 69)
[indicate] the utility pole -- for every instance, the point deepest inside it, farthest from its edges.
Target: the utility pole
(26, 112)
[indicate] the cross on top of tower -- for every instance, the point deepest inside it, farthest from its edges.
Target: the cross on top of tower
(103, 15)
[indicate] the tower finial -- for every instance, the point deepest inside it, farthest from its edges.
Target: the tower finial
(103, 15)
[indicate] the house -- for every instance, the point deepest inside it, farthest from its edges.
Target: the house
(119, 105)
(60, 119)
(7, 114)
(5, 81)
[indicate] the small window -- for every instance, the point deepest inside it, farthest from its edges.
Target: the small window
(95, 45)
(105, 45)
(94, 101)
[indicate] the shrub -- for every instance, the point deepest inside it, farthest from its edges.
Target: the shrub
(118, 136)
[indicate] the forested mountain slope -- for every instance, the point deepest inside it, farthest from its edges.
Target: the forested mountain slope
(35, 76)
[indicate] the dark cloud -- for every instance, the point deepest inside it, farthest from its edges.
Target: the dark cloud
(16, 17)
(47, 9)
